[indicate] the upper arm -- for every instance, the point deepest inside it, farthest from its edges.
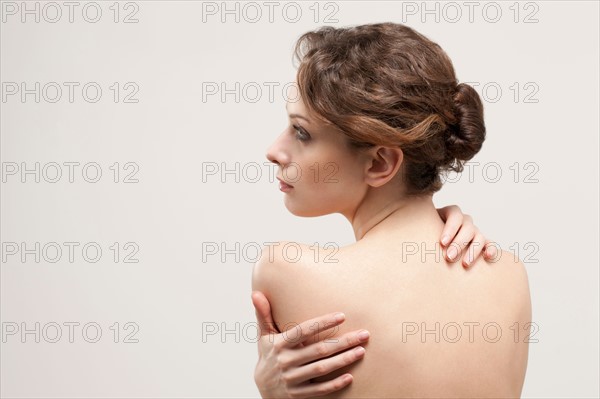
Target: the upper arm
(287, 283)
(273, 276)
(268, 277)
(262, 273)
(518, 281)
(518, 300)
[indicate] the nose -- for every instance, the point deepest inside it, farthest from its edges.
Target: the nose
(271, 154)
(276, 152)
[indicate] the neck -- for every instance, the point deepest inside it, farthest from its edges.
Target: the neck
(378, 212)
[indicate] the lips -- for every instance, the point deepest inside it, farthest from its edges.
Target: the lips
(283, 186)
(284, 183)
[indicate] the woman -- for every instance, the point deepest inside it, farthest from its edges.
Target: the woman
(380, 106)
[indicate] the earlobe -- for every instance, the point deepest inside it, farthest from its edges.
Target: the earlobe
(383, 165)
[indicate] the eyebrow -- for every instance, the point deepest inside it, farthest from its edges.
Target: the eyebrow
(297, 115)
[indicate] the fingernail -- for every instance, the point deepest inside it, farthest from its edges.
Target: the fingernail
(445, 239)
(451, 253)
(363, 335)
(360, 350)
(339, 317)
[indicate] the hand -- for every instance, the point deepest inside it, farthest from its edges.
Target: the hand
(284, 367)
(469, 237)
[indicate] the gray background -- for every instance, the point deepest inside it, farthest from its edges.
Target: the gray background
(547, 214)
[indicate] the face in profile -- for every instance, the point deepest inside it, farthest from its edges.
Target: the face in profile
(323, 173)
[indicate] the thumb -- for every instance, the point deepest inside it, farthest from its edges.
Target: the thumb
(263, 314)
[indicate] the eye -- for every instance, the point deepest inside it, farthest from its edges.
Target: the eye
(301, 134)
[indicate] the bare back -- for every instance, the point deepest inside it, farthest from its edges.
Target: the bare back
(437, 329)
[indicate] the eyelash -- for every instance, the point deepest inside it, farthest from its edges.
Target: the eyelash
(301, 134)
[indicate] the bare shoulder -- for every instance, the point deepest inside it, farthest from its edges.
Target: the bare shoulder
(509, 267)
(291, 277)
(507, 277)
(285, 262)
(274, 261)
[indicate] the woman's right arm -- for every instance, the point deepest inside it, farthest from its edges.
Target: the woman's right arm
(286, 366)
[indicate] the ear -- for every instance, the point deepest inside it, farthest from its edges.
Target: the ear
(383, 164)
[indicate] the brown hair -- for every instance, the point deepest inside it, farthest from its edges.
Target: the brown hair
(386, 84)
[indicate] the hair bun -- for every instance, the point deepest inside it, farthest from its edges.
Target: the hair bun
(468, 134)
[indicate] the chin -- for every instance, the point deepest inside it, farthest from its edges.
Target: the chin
(297, 208)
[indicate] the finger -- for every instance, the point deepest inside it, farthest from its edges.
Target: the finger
(263, 314)
(447, 210)
(474, 249)
(465, 235)
(491, 250)
(327, 347)
(310, 390)
(310, 328)
(325, 366)
(453, 218)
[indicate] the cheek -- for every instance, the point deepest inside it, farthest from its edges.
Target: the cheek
(325, 188)
(342, 183)
(329, 169)
(321, 174)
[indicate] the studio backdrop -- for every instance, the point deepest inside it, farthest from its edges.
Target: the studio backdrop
(136, 194)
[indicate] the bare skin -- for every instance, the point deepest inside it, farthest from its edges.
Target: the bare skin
(278, 360)
(381, 282)
(392, 301)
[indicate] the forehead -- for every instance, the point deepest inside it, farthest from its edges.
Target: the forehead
(295, 106)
